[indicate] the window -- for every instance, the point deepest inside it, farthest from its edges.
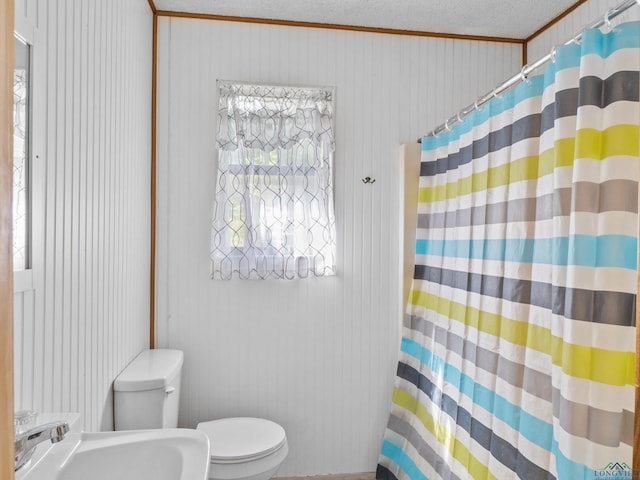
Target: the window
(273, 214)
(21, 107)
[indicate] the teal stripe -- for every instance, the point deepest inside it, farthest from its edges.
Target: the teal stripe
(535, 430)
(594, 42)
(582, 250)
(495, 107)
(532, 428)
(626, 35)
(567, 56)
(400, 458)
(533, 87)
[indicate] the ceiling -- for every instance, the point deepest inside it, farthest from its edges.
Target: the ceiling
(493, 18)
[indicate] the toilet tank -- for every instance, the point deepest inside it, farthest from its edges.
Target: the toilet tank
(147, 392)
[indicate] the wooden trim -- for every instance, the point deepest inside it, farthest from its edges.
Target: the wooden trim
(554, 21)
(152, 6)
(525, 53)
(152, 265)
(332, 26)
(410, 165)
(6, 227)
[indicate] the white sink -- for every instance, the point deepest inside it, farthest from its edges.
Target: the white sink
(166, 454)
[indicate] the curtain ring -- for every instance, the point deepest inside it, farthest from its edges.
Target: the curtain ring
(552, 53)
(458, 117)
(607, 21)
(523, 75)
(475, 102)
(578, 38)
(446, 125)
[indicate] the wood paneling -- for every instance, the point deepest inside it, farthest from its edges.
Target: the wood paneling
(569, 25)
(88, 315)
(6, 269)
(558, 19)
(318, 356)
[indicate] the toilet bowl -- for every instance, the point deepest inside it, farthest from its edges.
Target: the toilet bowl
(146, 396)
(244, 448)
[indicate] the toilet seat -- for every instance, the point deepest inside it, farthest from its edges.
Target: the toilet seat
(242, 439)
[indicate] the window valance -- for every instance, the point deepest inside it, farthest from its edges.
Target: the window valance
(270, 117)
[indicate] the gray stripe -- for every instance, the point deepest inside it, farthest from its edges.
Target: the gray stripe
(531, 381)
(621, 86)
(609, 196)
(500, 449)
(565, 105)
(599, 306)
(521, 129)
(599, 426)
(588, 197)
(406, 430)
(384, 470)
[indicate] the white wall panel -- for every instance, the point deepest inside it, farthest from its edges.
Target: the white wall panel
(318, 356)
(568, 27)
(88, 314)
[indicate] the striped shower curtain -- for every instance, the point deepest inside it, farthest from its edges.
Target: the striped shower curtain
(518, 351)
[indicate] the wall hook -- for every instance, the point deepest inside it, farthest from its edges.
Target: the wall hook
(368, 180)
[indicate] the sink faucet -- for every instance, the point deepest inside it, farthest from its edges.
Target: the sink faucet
(26, 442)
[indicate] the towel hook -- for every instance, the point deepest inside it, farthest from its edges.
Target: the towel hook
(368, 180)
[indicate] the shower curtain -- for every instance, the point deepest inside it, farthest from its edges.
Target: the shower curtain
(518, 351)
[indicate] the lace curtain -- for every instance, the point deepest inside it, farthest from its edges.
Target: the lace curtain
(273, 213)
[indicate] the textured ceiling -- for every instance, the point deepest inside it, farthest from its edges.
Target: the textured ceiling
(493, 18)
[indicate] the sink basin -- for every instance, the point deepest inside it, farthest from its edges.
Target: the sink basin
(166, 454)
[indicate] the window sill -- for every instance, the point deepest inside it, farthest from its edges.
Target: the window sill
(22, 281)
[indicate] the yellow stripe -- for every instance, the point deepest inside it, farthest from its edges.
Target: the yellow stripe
(457, 449)
(588, 143)
(616, 140)
(596, 364)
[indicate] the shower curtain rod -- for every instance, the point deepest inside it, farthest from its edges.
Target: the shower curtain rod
(527, 70)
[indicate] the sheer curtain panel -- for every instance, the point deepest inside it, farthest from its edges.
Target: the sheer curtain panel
(273, 213)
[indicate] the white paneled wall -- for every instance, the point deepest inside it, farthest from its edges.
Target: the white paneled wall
(88, 313)
(318, 356)
(568, 27)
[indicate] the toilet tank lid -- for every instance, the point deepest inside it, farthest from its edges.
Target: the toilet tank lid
(151, 369)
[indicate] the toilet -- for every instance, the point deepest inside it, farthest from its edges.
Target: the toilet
(146, 396)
